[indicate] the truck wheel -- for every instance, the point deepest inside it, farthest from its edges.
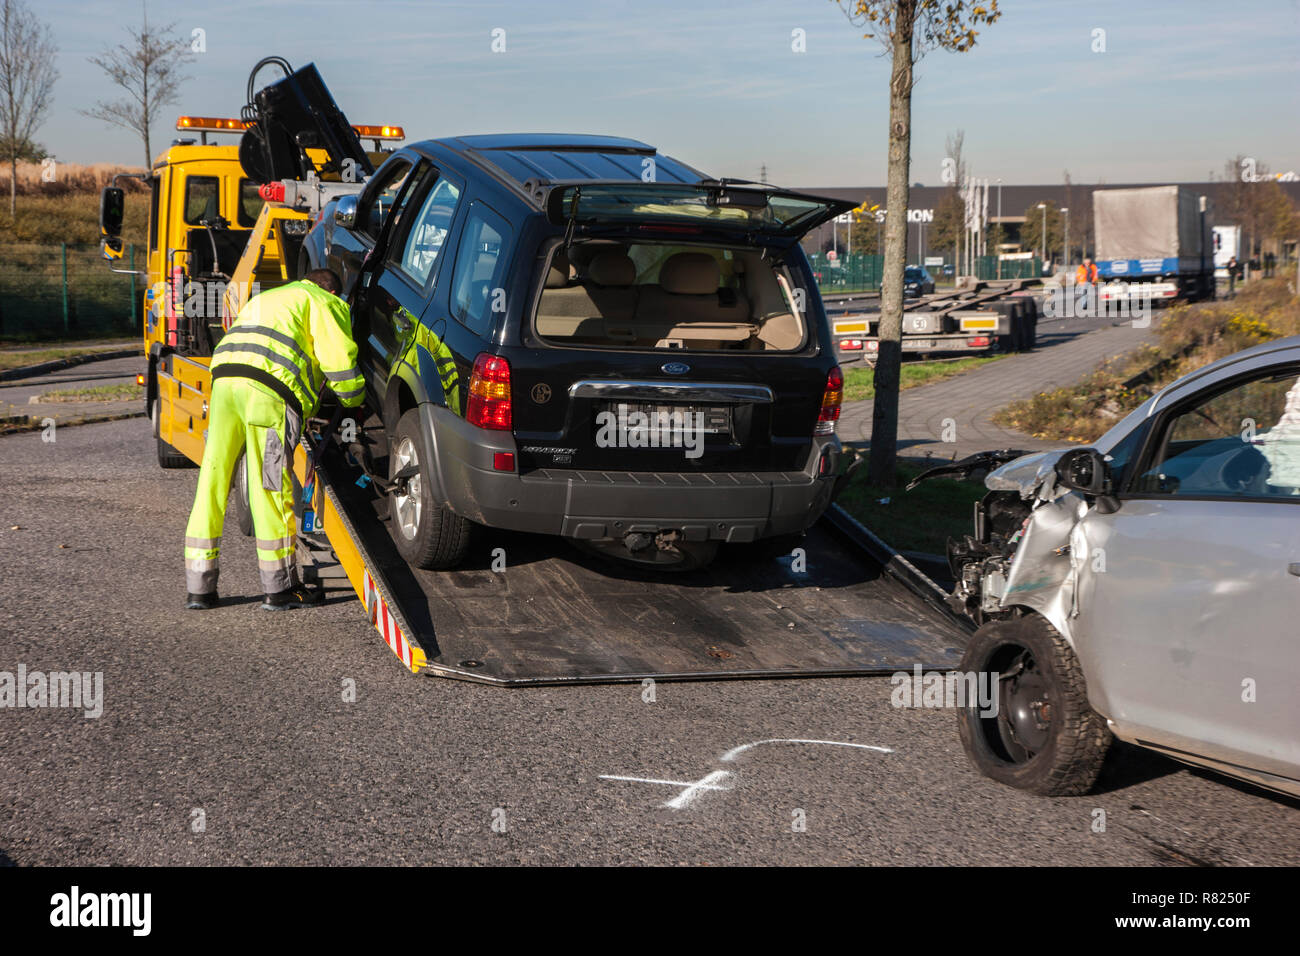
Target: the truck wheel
(1030, 308)
(168, 457)
(1011, 342)
(239, 507)
(1044, 737)
(427, 534)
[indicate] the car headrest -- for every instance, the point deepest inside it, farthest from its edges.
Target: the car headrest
(612, 268)
(558, 275)
(690, 273)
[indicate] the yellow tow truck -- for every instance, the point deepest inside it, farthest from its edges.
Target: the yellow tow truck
(226, 222)
(214, 239)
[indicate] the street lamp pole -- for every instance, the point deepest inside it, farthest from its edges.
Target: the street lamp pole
(995, 251)
(1043, 207)
(1065, 256)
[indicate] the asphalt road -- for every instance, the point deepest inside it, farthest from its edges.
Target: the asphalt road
(236, 719)
(21, 396)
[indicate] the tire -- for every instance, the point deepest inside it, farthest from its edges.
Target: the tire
(168, 456)
(1045, 738)
(425, 531)
(1010, 342)
(1030, 307)
(239, 507)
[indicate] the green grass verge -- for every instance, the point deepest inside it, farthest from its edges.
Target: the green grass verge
(1187, 337)
(97, 393)
(919, 520)
(858, 383)
(26, 357)
(72, 218)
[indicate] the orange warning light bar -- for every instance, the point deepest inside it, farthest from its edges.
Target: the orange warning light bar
(380, 132)
(215, 124)
(211, 124)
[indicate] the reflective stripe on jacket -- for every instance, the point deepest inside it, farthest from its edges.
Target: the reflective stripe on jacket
(300, 336)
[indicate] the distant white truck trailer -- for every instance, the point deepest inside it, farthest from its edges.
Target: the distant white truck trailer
(1153, 242)
(1227, 245)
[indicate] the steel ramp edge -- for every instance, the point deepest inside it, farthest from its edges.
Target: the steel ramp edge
(894, 563)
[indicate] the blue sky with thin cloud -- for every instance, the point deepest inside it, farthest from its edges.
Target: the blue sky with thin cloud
(1181, 86)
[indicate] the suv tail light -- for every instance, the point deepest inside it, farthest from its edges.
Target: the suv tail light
(489, 393)
(832, 398)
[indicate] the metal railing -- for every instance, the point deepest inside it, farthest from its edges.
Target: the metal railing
(67, 291)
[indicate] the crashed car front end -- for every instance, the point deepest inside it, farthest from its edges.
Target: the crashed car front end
(1027, 549)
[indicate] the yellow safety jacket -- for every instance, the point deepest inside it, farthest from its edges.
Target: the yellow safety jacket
(294, 339)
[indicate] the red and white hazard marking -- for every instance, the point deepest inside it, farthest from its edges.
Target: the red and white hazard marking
(386, 624)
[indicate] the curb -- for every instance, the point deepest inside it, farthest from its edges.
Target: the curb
(30, 371)
(14, 424)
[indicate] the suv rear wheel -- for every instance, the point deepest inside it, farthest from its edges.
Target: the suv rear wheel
(1044, 737)
(427, 534)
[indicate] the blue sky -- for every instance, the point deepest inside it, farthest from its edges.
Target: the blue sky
(1181, 86)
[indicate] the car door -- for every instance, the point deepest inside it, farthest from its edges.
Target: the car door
(1189, 593)
(396, 293)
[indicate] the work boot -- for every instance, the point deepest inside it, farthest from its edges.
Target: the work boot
(200, 602)
(292, 598)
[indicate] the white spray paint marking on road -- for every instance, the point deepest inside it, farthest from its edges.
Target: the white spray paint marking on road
(735, 752)
(714, 779)
(688, 795)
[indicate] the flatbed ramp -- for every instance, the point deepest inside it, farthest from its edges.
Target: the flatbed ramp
(531, 609)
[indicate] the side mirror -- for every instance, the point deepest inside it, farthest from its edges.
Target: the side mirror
(345, 212)
(112, 207)
(110, 248)
(1084, 470)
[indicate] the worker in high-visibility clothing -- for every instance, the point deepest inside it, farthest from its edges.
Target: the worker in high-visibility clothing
(284, 347)
(1085, 281)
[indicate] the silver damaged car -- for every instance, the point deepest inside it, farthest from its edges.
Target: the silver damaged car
(1146, 588)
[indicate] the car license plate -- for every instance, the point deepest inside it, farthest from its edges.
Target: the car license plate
(713, 420)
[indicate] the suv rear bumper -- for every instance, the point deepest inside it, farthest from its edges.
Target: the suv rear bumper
(723, 506)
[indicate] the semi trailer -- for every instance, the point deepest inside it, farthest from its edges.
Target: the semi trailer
(1153, 243)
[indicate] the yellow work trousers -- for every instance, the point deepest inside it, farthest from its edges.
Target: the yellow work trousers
(245, 417)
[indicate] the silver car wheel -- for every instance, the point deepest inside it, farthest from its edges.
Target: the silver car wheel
(408, 502)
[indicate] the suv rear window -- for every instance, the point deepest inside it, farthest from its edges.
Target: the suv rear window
(640, 294)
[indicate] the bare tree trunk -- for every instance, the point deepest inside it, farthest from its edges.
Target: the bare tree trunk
(884, 416)
(148, 154)
(13, 185)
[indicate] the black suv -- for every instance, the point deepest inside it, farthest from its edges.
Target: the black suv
(577, 336)
(917, 282)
